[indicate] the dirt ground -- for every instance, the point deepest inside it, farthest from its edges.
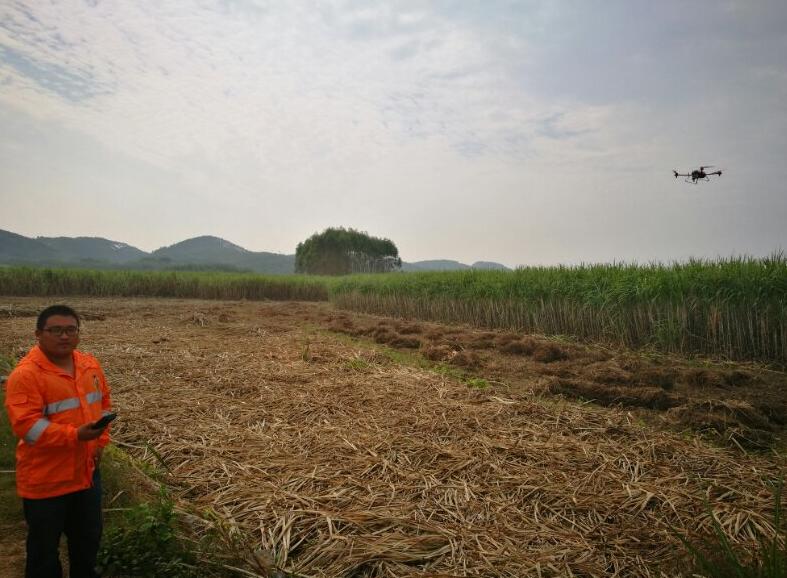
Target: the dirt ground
(12, 550)
(338, 444)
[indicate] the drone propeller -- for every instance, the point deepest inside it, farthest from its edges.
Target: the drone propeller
(703, 167)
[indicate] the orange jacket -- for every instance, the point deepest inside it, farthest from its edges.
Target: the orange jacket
(46, 406)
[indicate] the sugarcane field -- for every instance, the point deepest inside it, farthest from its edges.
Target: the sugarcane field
(310, 440)
(352, 289)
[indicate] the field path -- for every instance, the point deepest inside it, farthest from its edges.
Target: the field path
(324, 453)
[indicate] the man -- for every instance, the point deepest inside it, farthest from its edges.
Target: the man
(54, 397)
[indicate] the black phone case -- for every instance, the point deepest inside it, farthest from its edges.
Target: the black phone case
(104, 421)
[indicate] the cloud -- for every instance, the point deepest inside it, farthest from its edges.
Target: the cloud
(69, 85)
(526, 113)
(177, 81)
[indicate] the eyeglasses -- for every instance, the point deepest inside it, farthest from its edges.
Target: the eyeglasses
(58, 330)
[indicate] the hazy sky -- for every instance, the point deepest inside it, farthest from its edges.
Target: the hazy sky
(532, 132)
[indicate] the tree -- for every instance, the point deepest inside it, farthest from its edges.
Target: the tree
(340, 251)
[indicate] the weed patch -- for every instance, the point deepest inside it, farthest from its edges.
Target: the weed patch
(10, 504)
(357, 364)
(145, 543)
(718, 558)
(477, 382)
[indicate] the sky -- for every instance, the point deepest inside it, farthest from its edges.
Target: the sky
(526, 133)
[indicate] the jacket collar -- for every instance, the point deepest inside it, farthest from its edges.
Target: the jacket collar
(39, 358)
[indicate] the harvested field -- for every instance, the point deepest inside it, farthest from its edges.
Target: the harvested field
(648, 385)
(330, 459)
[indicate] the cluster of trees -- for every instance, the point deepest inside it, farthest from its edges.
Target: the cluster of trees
(340, 251)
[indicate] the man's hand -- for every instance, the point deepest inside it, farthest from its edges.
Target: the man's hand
(86, 432)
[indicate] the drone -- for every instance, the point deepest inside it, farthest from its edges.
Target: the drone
(697, 174)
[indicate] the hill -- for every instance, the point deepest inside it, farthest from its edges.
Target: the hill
(214, 250)
(205, 249)
(19, 249)
(200, 253)
(87, 249)
(489, 265)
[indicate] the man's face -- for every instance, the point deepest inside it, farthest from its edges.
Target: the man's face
(59, 337)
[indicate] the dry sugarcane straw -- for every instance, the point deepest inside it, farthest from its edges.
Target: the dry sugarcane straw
(337, 469)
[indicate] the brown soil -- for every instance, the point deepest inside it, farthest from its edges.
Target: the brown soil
(340, 461)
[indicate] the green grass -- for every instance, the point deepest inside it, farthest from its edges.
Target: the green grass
(144, 541)
(7, 363)
(10, 504)
(357, 364)
(477, 382)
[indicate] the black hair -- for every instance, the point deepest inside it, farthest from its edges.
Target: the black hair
(64, 310)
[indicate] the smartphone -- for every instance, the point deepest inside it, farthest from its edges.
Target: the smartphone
(104, 421)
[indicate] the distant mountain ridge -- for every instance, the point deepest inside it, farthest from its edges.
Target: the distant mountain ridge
(92, 248)
(200, 253)
(16, 248)
(208, 250)
(448, 265)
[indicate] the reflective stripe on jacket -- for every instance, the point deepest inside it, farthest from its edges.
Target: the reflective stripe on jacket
(46, 405)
